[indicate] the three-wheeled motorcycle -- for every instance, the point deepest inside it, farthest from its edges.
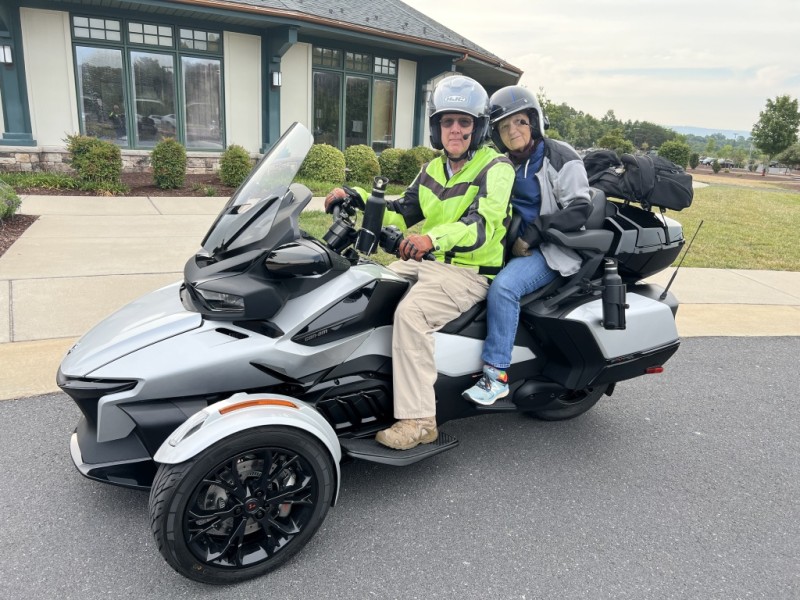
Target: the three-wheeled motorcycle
(235, 394)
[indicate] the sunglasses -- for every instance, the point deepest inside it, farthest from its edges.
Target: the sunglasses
(463, 122)
(516, 122)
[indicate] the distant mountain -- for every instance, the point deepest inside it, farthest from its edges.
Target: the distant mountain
(705, 132)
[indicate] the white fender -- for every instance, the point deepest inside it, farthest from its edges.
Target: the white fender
(241, 412)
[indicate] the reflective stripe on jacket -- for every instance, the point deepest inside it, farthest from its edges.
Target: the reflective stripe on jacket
(466, 216)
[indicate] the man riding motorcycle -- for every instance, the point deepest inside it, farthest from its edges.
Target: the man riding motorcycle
(463, 197)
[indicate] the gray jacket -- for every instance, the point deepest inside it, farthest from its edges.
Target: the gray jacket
(565, 206)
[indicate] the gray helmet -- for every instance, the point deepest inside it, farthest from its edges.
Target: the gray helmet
(459, 94)
(513, 99)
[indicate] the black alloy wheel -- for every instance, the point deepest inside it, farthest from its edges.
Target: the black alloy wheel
(243, 506)
(570, 404)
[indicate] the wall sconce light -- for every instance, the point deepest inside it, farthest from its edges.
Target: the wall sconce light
(276, 79)
(5, 55)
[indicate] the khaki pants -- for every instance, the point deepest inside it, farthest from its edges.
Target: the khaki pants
(439, 293)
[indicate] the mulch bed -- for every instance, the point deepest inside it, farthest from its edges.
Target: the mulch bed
(12, 228)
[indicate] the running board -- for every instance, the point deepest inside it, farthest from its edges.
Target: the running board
(502, 405)
(371, 451)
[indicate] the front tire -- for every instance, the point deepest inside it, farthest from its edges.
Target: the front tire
(570, 404)
(243, 506)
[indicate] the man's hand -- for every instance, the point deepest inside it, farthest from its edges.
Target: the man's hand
(334, 198)
(339, 195)
(415, 247)
(520, 248)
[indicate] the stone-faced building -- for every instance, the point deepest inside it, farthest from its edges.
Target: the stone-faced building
(212, 73)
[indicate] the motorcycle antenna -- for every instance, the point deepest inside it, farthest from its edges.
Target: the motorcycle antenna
(675, 272)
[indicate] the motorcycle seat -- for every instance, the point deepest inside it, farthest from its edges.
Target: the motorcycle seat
(472, 323)
(593, 239)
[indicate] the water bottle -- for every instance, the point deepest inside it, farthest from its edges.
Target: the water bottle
(613, 296)
(370, 233)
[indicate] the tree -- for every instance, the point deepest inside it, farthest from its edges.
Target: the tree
(790, 157)
(694, 160)
(615, 140)
(676, 151)
(777, 125)
(646, 135)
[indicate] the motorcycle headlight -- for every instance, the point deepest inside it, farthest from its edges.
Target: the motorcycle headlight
(221, 302)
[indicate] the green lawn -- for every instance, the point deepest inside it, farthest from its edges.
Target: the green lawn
(743, 228)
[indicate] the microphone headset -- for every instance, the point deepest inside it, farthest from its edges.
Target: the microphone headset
(466, 136)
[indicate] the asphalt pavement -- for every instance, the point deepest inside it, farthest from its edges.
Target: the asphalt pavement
(681, 486)
(85, 257)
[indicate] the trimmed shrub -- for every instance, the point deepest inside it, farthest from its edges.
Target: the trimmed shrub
(98, 163)
(234, 166)
(715, 166)
(323, 163)
(412, 160)
(169, 164)
(676, 151)
(9, 201)
(362, 164)
(694, 160)
(389, 161)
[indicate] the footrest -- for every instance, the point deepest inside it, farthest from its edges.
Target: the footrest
(370, 450)
(501, 405)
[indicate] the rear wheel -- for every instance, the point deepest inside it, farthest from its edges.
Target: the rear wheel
(570, 404)
(243, 506)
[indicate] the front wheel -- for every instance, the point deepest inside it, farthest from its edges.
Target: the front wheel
(570, 404)
(243, 506)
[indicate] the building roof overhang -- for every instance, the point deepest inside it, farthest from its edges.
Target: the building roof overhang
(466, 57)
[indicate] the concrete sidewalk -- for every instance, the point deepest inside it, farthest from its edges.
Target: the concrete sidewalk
(85, 257)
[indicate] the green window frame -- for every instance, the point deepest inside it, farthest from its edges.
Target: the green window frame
(139, 82)
(354, 98)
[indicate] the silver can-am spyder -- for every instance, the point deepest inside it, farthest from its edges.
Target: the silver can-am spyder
(235, 394)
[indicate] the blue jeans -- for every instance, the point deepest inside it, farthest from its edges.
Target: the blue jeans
(521, 276)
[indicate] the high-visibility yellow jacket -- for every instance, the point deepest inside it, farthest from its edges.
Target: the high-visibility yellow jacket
(466, 216)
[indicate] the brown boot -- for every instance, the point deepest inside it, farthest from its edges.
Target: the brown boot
(409, 433)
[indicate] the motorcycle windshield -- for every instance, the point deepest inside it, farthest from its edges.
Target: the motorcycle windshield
(250, 213)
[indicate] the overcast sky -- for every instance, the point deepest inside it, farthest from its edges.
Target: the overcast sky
(702, 63)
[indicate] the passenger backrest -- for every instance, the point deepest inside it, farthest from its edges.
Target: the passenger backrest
(600, 209)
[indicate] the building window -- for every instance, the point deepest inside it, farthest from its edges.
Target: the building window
(201, 41)
(96, 29)
(102, 93)
(327, 107)
(383, 95)
(201, 92)
(325, 57)
(357, 62)
(356, 111)
(352, 104)
(151, 35)
(385, 66)
(154, 97)
(140, 90)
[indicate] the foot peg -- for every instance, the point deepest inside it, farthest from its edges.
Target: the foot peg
(370, 450)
